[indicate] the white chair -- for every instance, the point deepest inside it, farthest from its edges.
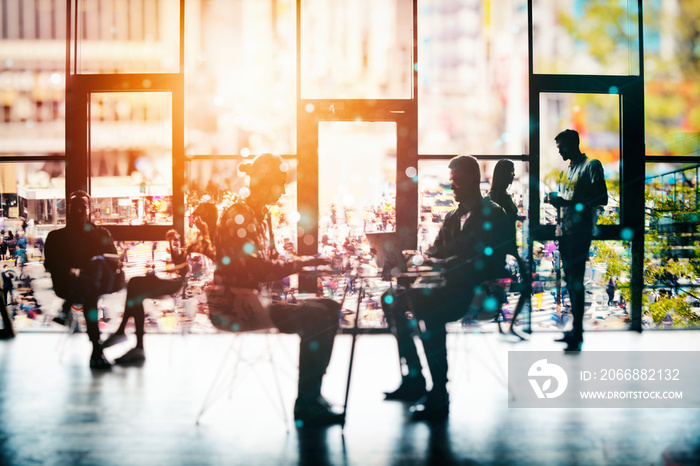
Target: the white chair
(244, 313)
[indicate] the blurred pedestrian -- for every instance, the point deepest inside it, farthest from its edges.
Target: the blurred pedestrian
(8, 276)
(610, 290)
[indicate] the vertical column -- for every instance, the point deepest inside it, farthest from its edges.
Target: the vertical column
(632, 190)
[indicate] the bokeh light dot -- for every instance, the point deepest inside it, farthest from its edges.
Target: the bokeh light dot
(490, 304)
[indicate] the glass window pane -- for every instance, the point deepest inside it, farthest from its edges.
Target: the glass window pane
(600, 37)
(32, 78)
(131, 157)
(356, 49)
(240, 77)
(671, 94)
(434, 199)
(472, 81)
(32, 203)
(33, 109)
(606, 281)
(35, 192)
(671, 252)
(596, 117)
(357, 180)
(138, 36)
(357, 203)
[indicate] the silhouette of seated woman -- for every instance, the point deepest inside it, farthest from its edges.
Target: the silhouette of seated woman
(503, 176)
(246, 260)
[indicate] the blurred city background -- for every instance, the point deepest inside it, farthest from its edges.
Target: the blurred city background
(240, 88)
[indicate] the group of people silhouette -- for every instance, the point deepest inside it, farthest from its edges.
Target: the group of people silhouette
(471, 247)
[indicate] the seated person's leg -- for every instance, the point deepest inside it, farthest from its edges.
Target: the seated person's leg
(574, 255)
(395, 304)
(138, 289)
(437, 308)
(316, 321)
(97, 359)
(94, 280)
(86, 290)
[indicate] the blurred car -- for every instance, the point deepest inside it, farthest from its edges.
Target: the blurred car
(441, 206)
(427, 199)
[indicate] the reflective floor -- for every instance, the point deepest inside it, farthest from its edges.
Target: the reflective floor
(54, 410)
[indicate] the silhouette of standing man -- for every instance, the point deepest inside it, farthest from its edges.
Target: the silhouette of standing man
(582, 190)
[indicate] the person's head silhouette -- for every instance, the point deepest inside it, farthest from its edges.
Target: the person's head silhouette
(568, 144)
(503, 176)
(465, 176)
(78, 209)
(268, 176)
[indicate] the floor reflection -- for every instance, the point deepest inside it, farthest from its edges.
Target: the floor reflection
(56, 411)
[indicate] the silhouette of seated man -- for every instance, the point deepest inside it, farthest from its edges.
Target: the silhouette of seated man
(83, 264)
(473, 242)
(151, 286)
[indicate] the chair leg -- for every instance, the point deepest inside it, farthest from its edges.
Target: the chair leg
(73, 327)
(221, 384)
(278, 385)
(210, 398)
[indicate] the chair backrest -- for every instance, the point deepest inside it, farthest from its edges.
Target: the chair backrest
(488, 300)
